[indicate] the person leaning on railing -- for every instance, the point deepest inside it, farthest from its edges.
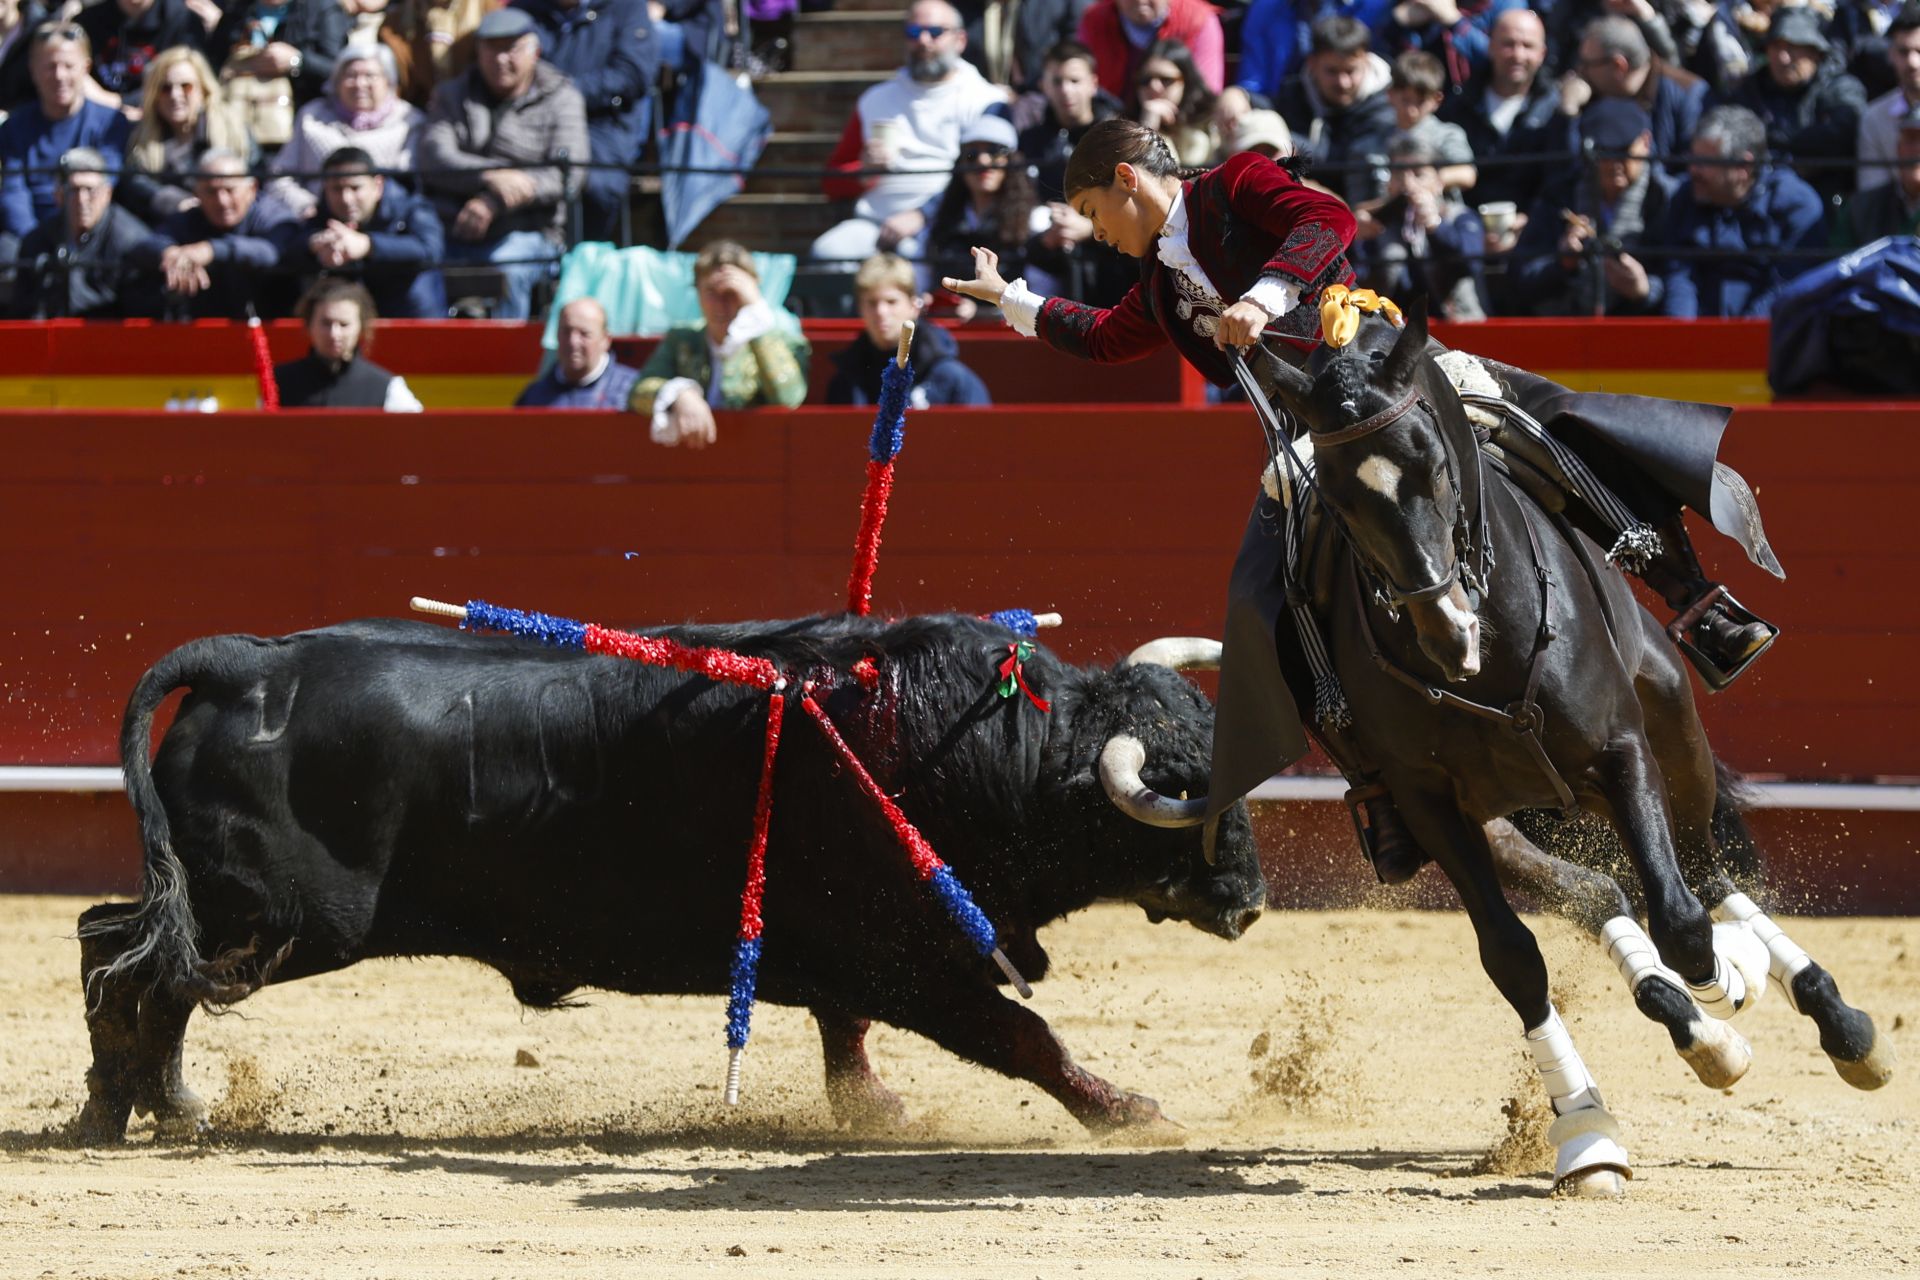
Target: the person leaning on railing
(216, 258)
(372, 229)
(77, 263)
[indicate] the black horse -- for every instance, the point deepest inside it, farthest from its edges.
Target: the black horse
(1494, 663)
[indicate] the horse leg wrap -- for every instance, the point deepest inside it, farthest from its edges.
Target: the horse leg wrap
(1785, 957)
(1739, 960)
(1584, 1134)
(1634, 954)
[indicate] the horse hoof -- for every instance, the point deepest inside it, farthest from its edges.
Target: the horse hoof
(1719, 1055)
(1600, 1183)
(100, 1124)
(1871, 1071)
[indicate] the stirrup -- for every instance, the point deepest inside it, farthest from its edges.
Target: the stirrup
(1407, 861)
(1711, 672)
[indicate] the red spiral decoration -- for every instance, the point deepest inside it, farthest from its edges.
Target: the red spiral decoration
(866, 546)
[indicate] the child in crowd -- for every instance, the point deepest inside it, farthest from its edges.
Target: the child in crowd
(884, 288)
(1417, 88)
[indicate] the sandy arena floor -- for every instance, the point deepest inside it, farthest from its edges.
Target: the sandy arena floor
(1342, 1077)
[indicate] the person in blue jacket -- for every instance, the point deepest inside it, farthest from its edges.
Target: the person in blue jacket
(608, 49)
(885, 289)
(374, 231)
(38, 133)
(1733, 221)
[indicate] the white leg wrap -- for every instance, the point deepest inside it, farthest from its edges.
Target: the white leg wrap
(1738, 961)
(1785, 957)
(1634, 954)
(1585, 1134)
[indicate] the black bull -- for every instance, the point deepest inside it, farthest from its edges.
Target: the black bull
(387, 788)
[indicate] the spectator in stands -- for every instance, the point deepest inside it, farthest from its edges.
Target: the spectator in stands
(1120, 32)
(1743, 213)
(59, 119)
(487, 157)
(1338, 122)
(1710, 43)
(1880, 124)
(1275, 37)
(584, 374)
(607, 48)
(1812, 109)
(259, 44)
(1423, 239)
(1259, 131)
(684, 31)
(1859, 29)
(372, 229)
(75, 264)
(990, 202)
(1008, 40)
(219, 255)
(1418, 87)
(1075, 101)
(335, 373)
(1570, 21)
(1457, 32)
(127, 35)
(18, 18)
(362, 109)
(910, 127)
(884, 289)
(432, 42)
(743, 355)
(1892, 208)
(1615, 62)
(184, 113)
(1595, 254)
(1509, 111)
(1175, 103)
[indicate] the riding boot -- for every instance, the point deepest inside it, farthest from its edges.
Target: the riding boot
(1395, 854)
(1719, 635)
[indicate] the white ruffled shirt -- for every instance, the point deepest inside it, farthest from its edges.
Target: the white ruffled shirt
(1021, 306)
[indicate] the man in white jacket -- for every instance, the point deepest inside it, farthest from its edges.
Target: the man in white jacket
(910, 126)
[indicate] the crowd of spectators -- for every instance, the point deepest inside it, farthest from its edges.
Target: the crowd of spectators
(196, 158)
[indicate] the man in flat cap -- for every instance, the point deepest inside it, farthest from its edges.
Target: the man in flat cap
(1811, 108)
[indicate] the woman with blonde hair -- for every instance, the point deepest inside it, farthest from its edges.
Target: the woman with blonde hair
(183, 115)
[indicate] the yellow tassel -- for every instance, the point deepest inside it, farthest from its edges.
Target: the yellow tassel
(1340, 309)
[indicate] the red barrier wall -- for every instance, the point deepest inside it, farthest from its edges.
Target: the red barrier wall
(131, 532)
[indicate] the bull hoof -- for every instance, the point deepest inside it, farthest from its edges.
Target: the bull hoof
(182, 1117)
(866, 1106)
(1719, 1055)
(1600, 1183)
(1136, 1118)
(1871, 1071)
(101, 1124)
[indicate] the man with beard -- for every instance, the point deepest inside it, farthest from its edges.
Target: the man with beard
(908, 129)
(1340, 117)
(1585, 252)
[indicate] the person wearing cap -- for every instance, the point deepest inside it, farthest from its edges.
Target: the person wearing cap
(1614, 61)
(609, 51)
(362, 108)
(1741, 228)
(1811, 108)
(1892, 208)
(903, 137)
(990, 201)
(1589, 249)
(1879, 136)
(1261, 132)
(487, 157)
(75, 264)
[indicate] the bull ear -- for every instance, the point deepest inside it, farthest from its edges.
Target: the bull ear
(1397, 373)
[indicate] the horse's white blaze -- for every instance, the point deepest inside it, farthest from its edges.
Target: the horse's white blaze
(1381, 476)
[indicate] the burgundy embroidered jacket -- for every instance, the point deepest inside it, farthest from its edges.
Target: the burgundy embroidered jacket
(1246, 219)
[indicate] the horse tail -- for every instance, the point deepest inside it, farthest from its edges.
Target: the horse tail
(1733, 796)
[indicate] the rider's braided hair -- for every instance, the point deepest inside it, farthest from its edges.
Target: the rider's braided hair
(1117, 142)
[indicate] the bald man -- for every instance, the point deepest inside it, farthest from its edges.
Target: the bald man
(584, 374)
(1509, 110)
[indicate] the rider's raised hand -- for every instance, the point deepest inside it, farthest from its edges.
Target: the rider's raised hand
(986, 284)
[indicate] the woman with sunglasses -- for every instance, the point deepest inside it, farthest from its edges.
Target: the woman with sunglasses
(184, 113)
(991, 202)
(1176, 103)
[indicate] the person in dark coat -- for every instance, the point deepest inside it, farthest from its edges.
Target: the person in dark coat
(39, 132)
(1811, 108)
(1508, 111)
(216, 258)
(1336, 122)
(374, 231)
(1892, 208)
(885, 289)
(1087, 270)
(335, 373)
(1015, 52)
(298, 39)
(1616, 62)
(1757, 223)
(1424, 239)
(129, 34)
(1593, 250)
(607, 48)
(76, 263)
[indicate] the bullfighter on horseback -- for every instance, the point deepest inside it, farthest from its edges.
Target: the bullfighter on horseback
(1244, 252)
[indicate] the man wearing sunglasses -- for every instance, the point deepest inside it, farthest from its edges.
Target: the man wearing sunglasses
(59, 119)
(899, 149)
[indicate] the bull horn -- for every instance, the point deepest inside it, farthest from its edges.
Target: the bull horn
(1182, 653)
(1120, 763)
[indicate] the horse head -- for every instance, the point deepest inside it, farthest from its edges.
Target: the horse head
(1386, 467)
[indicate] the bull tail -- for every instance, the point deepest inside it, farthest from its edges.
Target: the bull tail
(158, 943)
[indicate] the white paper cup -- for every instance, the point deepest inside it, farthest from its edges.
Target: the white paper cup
(1498, 216)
